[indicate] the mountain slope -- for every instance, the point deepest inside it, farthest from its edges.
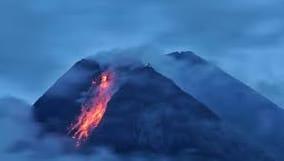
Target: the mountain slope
(255, 115)
(147, 113)
(60, 103)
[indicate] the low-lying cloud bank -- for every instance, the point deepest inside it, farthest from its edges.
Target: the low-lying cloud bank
(21, 140)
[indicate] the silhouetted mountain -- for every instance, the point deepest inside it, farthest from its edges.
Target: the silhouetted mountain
(147, 113)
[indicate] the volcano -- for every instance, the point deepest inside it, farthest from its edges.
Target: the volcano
(148, 112)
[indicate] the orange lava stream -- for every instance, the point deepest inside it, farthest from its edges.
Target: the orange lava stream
(93, 112)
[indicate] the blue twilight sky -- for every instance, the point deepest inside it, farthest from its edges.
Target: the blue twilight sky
(41, 39)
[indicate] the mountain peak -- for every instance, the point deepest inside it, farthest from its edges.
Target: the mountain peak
(188, 57)
(148, 112)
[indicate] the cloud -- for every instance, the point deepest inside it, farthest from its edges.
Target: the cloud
(20, 138)
(40, 40)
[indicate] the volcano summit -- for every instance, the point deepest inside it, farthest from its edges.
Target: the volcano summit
(142, 110)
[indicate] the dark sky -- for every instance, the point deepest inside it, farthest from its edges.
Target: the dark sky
(40, 39)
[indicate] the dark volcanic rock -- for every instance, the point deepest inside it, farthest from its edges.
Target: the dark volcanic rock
(148, 113)
(147, 109)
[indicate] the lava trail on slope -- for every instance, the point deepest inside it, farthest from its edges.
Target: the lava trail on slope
(93, 108)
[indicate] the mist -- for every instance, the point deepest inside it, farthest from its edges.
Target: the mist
(22, 138)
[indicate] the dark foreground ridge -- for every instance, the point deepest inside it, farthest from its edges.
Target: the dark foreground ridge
(149, 113)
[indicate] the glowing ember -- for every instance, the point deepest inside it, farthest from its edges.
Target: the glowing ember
(93, 110)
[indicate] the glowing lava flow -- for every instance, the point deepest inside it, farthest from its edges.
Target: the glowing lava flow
(93, 110)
